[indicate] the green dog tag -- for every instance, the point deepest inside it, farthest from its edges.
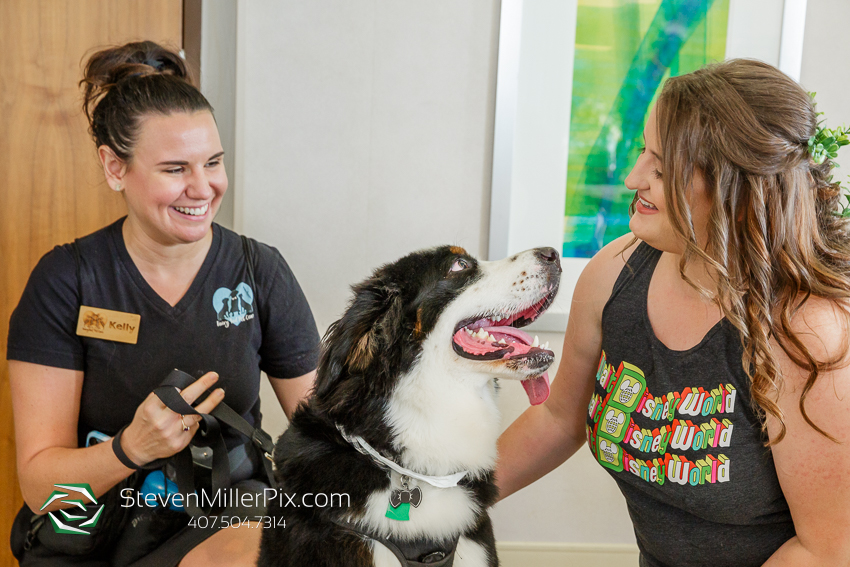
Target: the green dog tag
(401, 513)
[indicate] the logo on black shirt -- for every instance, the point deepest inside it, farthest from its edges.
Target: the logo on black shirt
(233, 306)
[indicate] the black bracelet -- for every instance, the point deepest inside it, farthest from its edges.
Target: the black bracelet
(119, 452)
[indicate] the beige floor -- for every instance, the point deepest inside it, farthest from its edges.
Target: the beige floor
(520, 554)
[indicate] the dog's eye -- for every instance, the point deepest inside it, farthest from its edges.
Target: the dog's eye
(459, 264)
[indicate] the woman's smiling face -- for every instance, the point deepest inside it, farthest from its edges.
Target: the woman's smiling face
(651, 221)
(176, 179)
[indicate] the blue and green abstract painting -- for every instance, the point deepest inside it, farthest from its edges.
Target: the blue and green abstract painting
(624, 51)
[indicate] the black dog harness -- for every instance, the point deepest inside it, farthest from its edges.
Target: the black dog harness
(420, 552)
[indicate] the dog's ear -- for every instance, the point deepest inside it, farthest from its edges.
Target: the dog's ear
(351, 344)
(374, 313)
(362, 352)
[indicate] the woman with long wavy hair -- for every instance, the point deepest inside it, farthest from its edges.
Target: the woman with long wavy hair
(706, 356)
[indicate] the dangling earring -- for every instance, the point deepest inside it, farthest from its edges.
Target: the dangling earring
(117, 187)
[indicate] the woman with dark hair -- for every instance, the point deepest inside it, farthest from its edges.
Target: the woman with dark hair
(706, 355)
(104, 320)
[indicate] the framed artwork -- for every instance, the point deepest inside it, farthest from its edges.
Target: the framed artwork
(575, 82)
(624, 51)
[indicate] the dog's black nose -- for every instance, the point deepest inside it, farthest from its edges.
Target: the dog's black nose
(548, 255)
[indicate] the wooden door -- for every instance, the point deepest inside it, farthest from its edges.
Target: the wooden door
(51, 186)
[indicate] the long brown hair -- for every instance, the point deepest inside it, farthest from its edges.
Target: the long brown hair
(123, 84)
(774, 239)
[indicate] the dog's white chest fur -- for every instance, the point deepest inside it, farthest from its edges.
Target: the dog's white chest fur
(443, 513)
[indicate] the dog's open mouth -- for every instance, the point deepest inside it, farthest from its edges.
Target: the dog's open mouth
(497, 336)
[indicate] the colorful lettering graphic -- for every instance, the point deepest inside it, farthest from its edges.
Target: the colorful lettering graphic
(693, 420)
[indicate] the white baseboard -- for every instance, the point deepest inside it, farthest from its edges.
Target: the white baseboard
(526, 554)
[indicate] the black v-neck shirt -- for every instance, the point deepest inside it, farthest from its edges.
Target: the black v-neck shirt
(227, 322)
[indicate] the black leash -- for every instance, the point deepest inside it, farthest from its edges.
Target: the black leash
(208, 435)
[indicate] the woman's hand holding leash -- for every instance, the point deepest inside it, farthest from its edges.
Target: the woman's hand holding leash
(158, 432)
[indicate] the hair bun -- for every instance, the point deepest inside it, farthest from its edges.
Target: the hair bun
(106, 68)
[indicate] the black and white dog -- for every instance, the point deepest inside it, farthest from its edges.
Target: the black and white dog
(404, 417)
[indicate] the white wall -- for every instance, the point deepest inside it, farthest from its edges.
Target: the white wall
(826, 67)
(367, 132)
(218, 83)
(364, 131)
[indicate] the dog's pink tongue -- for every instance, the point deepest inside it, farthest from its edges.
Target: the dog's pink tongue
(537, 388)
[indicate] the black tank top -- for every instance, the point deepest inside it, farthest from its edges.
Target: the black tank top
(677, 432)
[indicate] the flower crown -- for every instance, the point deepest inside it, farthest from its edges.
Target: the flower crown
(825, 144)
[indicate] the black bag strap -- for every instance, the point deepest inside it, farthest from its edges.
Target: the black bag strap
(75, 247)
(249, 259)
(260, 438)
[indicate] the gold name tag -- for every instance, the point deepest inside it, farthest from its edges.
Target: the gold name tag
(108, 325)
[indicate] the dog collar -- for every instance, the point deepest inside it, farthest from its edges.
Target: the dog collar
(363, 447)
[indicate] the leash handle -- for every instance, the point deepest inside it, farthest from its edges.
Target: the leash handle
(169, 396)
(209, 434)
